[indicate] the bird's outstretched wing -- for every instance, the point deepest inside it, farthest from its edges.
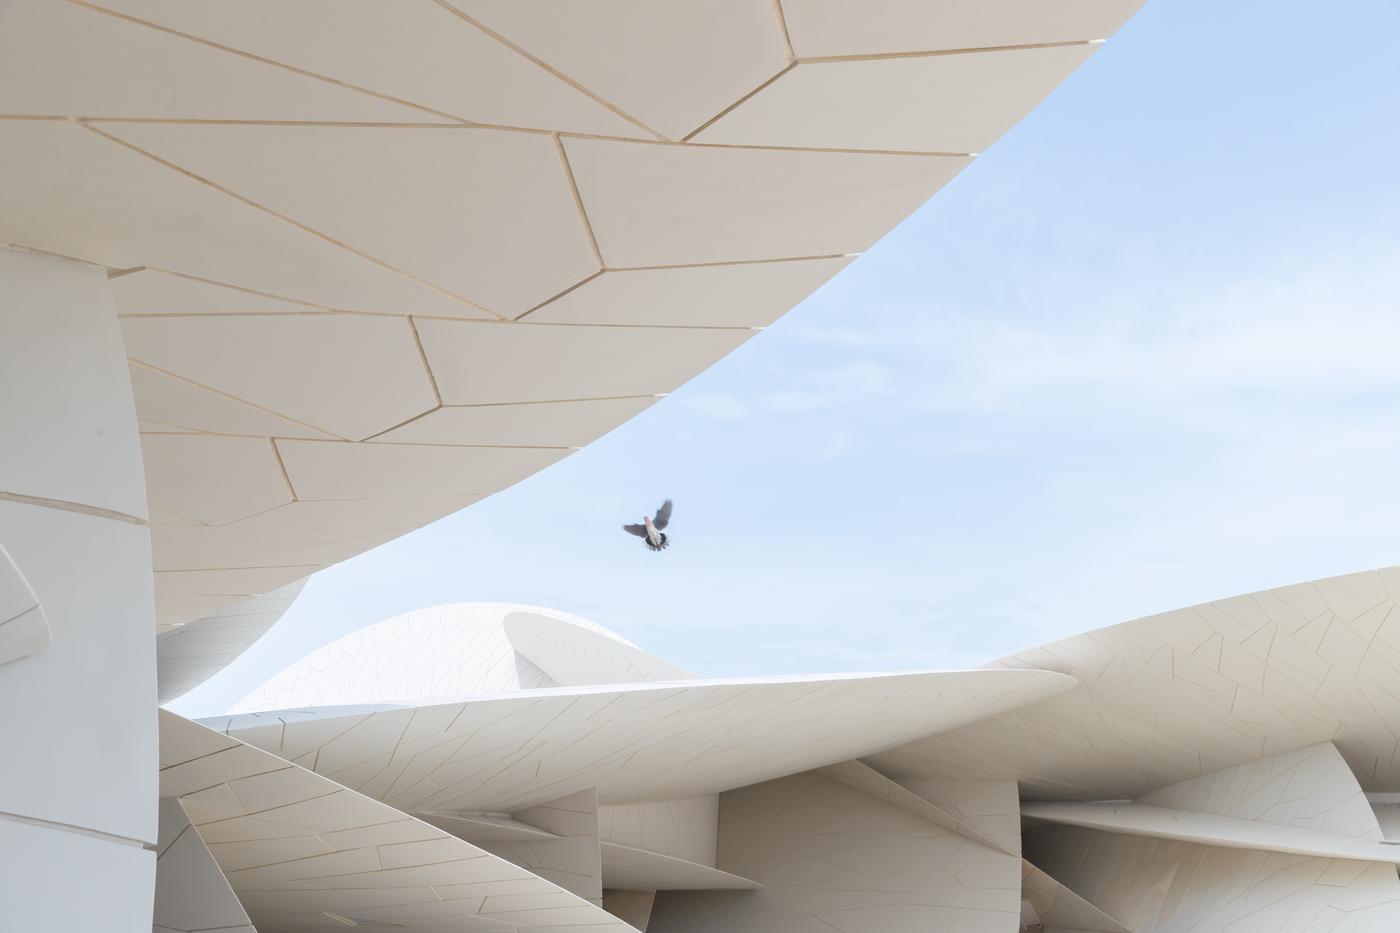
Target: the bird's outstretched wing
(638, 530)
(663, 515)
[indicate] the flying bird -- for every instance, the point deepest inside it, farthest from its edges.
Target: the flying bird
(650, 529)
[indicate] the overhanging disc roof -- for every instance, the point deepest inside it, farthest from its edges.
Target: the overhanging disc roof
(377, 260)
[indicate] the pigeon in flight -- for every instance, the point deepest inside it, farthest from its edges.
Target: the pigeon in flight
(650, 528)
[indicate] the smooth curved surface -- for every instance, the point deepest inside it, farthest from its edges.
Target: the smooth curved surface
(572, 655)
(188, 655)
(504, 753)
(440, 651)
(77, 782)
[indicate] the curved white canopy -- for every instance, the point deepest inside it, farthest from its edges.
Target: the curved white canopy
(453, 650)
(1176, 695)
(573, 655)
(637, 742)
(378, 260)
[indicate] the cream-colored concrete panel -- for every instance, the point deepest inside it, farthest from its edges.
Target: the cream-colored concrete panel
(174, 610)
(1310, 788)
(85, 196)
(60, 59)
(530, 424)
(309, 367)
(644, 869)
(60, 351)
(212, 479)
(191, 892)
(570, 858)
(1056, 908)
(477, 365)
(873, 27)
(1213, 829)
(684, 829)
(235, 581)
(150, 291)
(983, 809)
(487, 215)
(440, 651)
(830, 857)
(360, 514)
(572, 655)
(625, 740)
(671, 64)
(866, 779)
(929, 103)
(375, 864)
(653, 205)
(283, 550)
(250, 853)
(633, 907)
(737, 295)
(1162, 886)
(1160, 702)
(418, 52)
(337, 470)
(483, 827)
(156, 427)
(173, 404)
(190, 654)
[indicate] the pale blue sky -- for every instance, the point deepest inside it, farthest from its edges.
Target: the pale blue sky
(1143, 353)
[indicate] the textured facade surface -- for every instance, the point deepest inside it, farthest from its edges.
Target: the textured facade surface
(192, 894)
(503, 753)
(687, 805)
(685, 829)
(570, 856)
(1164, 886)
(187, 655)
(1173, 696)
(832, 857)
(791, 804)
(1309, 788)
(1304, 802)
